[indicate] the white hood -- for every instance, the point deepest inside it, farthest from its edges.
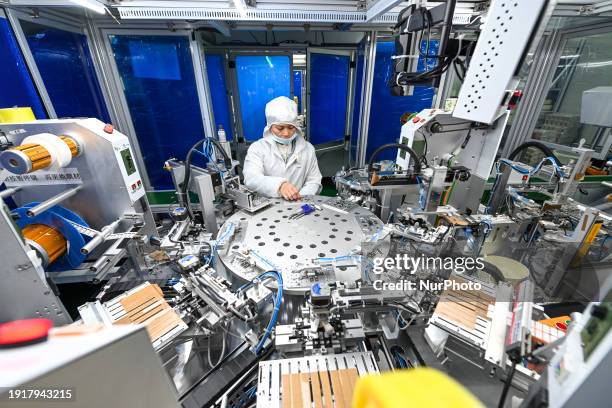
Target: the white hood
(281, 111)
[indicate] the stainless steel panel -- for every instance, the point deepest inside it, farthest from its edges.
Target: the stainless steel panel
(104, 196)
(24, 293)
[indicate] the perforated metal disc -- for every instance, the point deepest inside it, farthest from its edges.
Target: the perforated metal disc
(273, 239)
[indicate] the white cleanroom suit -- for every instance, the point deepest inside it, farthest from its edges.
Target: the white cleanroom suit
(268, 163)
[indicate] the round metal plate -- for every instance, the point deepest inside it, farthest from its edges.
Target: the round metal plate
(274, 241)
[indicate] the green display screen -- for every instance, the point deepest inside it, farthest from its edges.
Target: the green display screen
(128, 162)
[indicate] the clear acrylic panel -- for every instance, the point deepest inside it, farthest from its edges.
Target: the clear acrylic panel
(585, 63)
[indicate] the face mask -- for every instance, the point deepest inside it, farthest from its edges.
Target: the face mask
(284, 141)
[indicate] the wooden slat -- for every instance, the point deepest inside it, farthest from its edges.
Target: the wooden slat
(148, 307)
(136, 309)
(296, 391)
(316, 389)
(470, 295)
(286, 390)
(138, 298)
(327, 394)
(351, 374)
(146, 315)
(462, 317)
(305, 389)
(347, 389)
(337, 390)
(163, 324)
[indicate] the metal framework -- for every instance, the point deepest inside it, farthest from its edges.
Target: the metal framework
(232, 77)
(538, 83)
(379, 8)
(350, 92)
(146, 17)
(366, 98)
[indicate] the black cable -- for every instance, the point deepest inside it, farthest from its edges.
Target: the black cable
(415, 157)
(426, 148)
(508, 382)
(467, 138)
(462, 64)
(540, 146)
(460, 76)
(447, 26)
(176, 242)
(226, 158)
(429, 75)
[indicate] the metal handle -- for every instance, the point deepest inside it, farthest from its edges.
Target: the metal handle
(45, 205)
(9, 192)
(100, 238)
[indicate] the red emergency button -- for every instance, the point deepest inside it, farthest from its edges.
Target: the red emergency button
(24, 332)
(416, 119)
(138, 183)
(134, 186)
(108, 128)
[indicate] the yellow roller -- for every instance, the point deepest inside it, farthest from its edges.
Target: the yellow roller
(48, 242)
(30, 157)
(16, 115)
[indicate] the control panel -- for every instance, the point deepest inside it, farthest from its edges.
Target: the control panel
(583, 363)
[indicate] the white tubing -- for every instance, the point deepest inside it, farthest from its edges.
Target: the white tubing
(57, 148)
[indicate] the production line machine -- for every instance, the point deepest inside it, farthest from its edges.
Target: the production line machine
(73, 207)
(255, 300)
(238, 290)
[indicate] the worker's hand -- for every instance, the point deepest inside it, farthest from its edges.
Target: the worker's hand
(289, 192)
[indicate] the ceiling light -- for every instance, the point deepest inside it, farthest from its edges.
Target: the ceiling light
(91, 5)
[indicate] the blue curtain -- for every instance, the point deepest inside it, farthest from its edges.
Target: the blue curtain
(260, 79)
(218, 92)
(328, 97)
(65, 65)
(386, 109)
(161, 92)
(17, 88)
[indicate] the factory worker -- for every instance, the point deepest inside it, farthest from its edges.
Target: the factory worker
(282, 163)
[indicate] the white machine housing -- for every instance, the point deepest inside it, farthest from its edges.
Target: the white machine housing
(508, 31)
(111, 182)
(110, 187)
(478, 154)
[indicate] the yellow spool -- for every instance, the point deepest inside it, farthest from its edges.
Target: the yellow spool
(16, 115)
(47, 241)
